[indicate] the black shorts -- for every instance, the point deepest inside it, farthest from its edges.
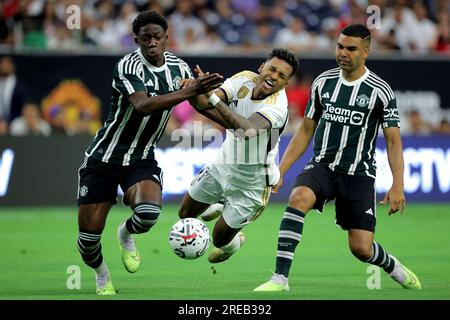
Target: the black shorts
(355, 195)
(98, 181)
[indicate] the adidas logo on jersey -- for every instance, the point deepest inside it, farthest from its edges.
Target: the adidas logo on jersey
(326, 95)
(369, 211)
(149, 83)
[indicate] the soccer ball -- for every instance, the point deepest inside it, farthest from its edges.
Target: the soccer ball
(189, 238)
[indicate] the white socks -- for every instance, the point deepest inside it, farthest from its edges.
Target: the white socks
(126, 238)
(102, 269)
(101, 275)
(398, 274)
(279, 279)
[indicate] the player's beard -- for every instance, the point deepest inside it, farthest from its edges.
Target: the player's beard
(344, 64)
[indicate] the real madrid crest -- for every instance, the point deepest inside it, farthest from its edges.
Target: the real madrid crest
(242, 92)
(362, 100)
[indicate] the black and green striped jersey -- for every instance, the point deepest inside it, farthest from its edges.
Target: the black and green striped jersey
(128, 135)
(348, 116)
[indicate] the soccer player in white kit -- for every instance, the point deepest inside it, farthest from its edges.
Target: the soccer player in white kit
(254, 110)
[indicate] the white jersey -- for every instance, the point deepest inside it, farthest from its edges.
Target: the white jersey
(243, 156)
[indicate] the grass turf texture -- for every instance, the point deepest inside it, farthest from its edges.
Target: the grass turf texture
(39, 244)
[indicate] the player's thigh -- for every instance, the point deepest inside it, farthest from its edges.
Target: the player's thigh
(243, 206)
(206, 187)
(97, 182)
(144, 191)
(92, 217)
(142, 182)
(313, 187)
(191, 208)
(355, 203)
(360, 242)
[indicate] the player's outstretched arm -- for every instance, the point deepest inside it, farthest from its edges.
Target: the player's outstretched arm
(298, 144)
(395, 196)
(213, 115)
(215, 108)
(219, 112)
(200, 102)
(296, 148)
(202, 84)
(201, 105)
(205, 106)
(247, 127)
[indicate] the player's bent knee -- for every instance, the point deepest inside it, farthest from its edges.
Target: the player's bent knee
(302, 198)
(361, 252)
(191, 208)
(145, 215)
(183, 212)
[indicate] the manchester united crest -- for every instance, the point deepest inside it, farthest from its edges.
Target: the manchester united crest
(362, 100)
(176, 82)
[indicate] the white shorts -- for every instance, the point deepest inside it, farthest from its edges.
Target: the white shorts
(241, 205)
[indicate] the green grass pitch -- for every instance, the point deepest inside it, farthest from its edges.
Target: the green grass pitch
(38, 245)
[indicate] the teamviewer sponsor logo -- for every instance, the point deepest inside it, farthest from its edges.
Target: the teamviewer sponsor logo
(356, 118)
(342, 115)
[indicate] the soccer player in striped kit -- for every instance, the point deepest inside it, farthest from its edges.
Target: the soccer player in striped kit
(346, 108)
(146, 85)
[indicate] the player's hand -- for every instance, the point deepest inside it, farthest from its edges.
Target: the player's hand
(187, 83)
(277, 186)
(207, 82)
(396, 198)
(199, 72)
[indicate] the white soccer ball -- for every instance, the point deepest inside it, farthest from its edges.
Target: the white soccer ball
(189, 238)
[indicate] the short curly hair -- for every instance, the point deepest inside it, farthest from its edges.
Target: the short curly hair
(148, 17)
(285, 55)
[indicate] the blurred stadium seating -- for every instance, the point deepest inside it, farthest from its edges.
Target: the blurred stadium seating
(231, 28)
(234, 26)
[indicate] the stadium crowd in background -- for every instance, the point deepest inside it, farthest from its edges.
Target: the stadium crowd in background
(209, 27)
(227, 25)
